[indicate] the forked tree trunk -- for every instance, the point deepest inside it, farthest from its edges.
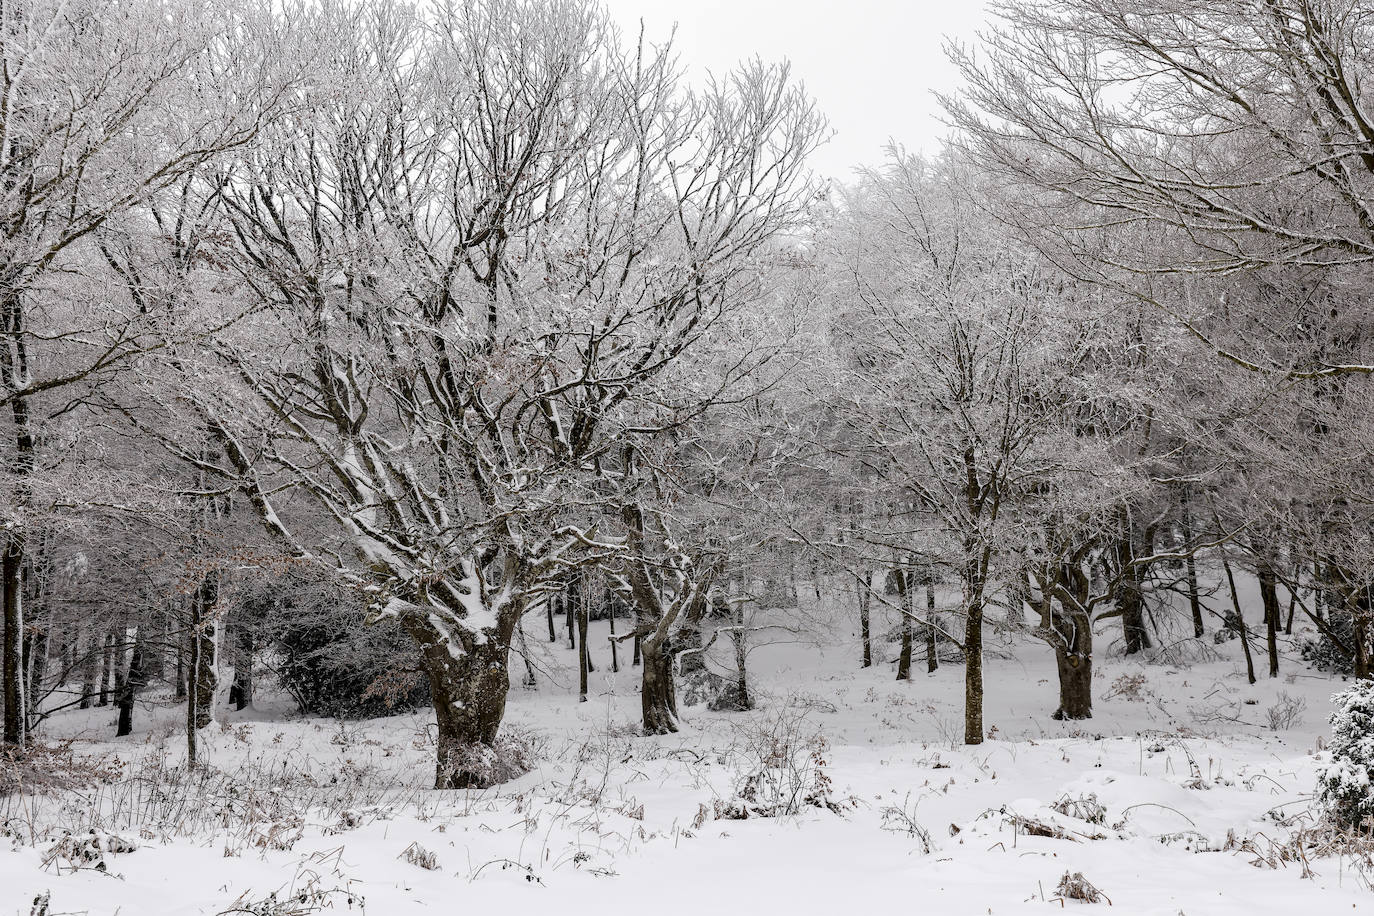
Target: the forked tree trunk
(1073, 658)
(657, 692)
(468, 685)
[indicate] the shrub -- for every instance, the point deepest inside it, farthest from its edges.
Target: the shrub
(330, 662)
(782, 759)
(1344, 785)
(1322, 653)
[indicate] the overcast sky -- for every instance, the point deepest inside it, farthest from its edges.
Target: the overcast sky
(871, 64)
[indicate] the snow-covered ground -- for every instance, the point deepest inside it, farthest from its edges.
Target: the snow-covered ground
(1174, 799)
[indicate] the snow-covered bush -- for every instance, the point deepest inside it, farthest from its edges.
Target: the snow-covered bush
(1344, 787)
(511, 756)
(782, 761)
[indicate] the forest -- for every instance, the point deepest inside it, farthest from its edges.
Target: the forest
(461, 424)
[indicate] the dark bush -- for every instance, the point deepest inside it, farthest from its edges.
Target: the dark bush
(330, 662)
(1319, 651)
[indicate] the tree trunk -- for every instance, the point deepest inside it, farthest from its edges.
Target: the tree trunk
(107, 665)
(1137, 639)
(529, 681)
(183, 650)
(615, 655)
(932, 656)
(242, 692)
(1361, 609)
(11, 588)
(1129, 595)
(36, 665)
(1190, 565)
(1269, 594)
(1073, 657)
(571, 601)
(864, 586)
(584, 659)
(742, 698)
(739, 636)
(90, 666)
(904, 585)
(548, 613)
(975, 576)
(1240, 620)
(132, 681)
(468, 685)
(203, 639)
(657, 692)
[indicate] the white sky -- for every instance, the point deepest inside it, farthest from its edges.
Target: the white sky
(870, 64)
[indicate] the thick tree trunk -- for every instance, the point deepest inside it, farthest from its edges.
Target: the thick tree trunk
(1075, 685)
(1073, 657)
(657, 692)
(468, 686)
(12, 592)
(548, 613)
